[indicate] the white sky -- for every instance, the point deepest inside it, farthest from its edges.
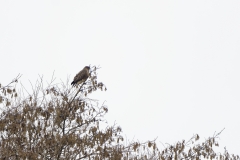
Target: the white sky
(171, 68)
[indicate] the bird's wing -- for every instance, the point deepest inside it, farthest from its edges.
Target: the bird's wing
(82, 75)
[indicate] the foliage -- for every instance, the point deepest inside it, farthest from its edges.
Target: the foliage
(61, 122)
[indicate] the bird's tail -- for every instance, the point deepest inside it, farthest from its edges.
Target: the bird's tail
(73, 83)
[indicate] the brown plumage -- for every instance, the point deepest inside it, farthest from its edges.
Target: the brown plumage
(82, 76)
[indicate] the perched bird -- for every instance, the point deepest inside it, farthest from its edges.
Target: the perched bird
(82, 76)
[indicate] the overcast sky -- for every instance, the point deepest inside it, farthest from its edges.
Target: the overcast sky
(171, 67)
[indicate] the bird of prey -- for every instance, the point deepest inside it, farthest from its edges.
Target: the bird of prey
(82, 76)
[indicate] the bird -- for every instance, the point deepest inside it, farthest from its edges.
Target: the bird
(82, 76)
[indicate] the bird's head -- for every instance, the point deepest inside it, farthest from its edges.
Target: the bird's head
(87, 67)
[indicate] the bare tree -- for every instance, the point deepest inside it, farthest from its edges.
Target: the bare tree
(62, 122)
